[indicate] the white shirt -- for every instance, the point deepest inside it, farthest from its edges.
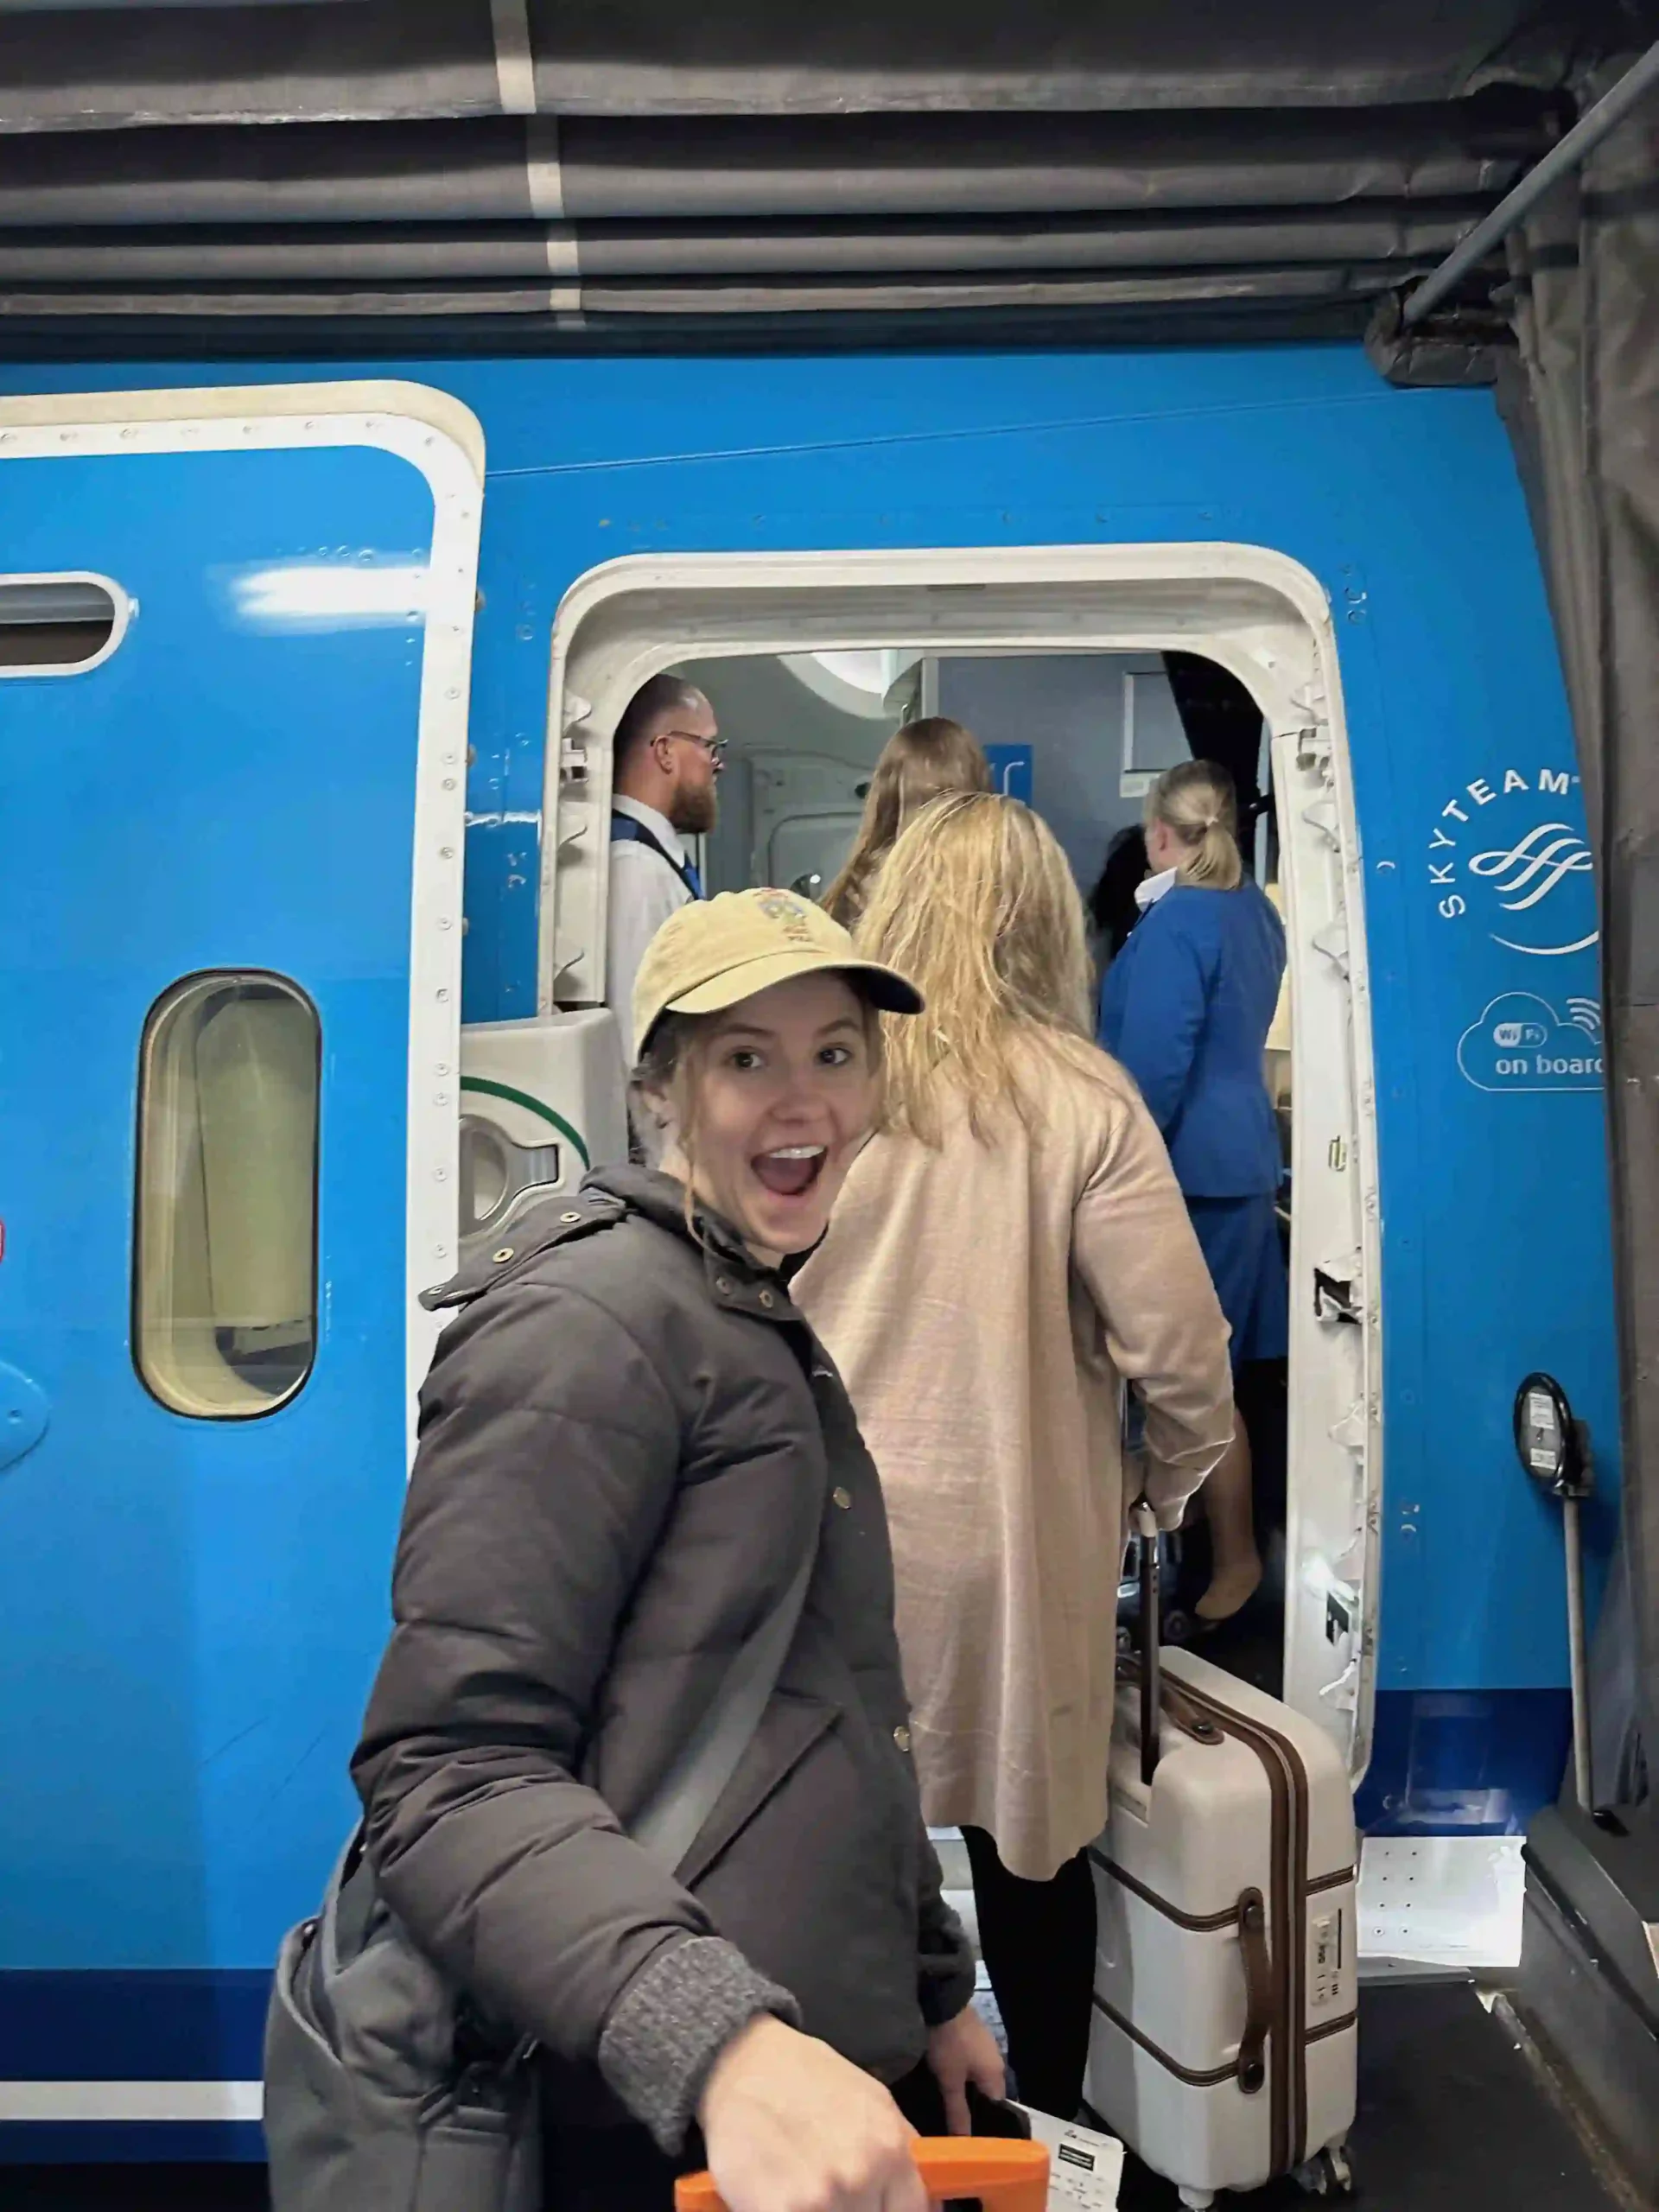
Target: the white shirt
(1152, 889)
(645, 892)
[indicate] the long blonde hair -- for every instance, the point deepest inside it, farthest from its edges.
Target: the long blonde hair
(919, 763)
(977, 904)
(1196, 801)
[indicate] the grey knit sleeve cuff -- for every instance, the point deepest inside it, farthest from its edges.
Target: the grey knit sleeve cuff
(672, 2022)
(946, 1987)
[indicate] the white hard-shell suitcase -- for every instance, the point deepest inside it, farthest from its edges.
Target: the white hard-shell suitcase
(1223, 2043)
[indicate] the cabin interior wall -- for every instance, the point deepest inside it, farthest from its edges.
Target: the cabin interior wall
(765, 709)
(1068, 707)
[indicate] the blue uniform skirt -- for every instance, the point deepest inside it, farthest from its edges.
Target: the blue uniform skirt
(1239, 1241)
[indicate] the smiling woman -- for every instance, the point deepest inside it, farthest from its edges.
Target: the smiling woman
(765, 1107)
(786, 1096)
(555, 1644)
(760, 1060)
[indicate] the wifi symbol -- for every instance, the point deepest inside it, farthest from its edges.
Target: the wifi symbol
(1585, 1014)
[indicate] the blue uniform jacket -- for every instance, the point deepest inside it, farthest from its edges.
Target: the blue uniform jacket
(1186, 1006)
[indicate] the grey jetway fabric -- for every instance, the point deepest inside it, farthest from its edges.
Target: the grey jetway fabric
(850, 167)
(1619, 1773)
(698, 300)
(388, 253)
(560, 166)
(1580, 392)
(400, 59)
(710, 216)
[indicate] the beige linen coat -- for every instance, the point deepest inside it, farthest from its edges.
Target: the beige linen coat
(982, 1303)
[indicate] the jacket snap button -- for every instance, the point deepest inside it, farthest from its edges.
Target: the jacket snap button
(723, 1286)
(901, 1737)
(766, 1298)
(569, 1216)
(843, 1498)
(506, 1253)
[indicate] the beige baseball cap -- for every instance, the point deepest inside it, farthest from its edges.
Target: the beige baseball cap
(715, 952)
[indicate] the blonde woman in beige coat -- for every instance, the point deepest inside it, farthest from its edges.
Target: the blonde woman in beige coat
(1011, 1250)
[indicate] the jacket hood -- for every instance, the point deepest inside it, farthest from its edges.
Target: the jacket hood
(607, 1197)
(661, 1199)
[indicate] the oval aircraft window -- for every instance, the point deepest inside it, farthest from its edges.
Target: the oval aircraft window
(224, 1307)
(59, 626)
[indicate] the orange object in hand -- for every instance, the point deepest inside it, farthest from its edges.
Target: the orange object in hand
(1006, 2176)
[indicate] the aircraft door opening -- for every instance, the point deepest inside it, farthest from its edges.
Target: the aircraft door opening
(738, 627)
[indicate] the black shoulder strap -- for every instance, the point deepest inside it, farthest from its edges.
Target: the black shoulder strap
(626, 831)
(555, 1222)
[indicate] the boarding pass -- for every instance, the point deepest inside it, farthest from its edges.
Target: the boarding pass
(1083, 2169)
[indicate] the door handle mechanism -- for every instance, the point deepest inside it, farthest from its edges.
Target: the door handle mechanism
(1333, 1301)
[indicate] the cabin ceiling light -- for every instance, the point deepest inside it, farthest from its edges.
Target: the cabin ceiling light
(857, 681)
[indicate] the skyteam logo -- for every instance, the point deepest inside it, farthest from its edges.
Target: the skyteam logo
(1524, 876)
(1513, 857)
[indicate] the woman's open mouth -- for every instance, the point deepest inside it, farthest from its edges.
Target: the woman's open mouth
(791, 1170)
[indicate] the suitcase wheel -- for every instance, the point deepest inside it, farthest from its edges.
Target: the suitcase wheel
(1329, 2175)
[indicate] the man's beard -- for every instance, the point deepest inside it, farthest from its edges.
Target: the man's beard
(693, 811)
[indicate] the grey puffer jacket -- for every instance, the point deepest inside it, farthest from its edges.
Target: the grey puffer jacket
(626, 1439)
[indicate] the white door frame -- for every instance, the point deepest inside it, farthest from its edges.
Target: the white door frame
(1268, 619)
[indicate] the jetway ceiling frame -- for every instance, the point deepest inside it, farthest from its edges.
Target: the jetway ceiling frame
(384, 61)
(529, 174)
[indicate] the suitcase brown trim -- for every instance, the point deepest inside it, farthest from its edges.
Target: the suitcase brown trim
(1340, 1880)
(1329, 2028)
(1286, 2034)
(1258, 1990)
(1193, 2080)
(1196, 1924)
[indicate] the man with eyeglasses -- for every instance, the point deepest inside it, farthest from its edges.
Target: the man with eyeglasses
(665, 761)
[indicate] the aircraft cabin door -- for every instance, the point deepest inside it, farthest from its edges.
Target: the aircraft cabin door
(234, 645)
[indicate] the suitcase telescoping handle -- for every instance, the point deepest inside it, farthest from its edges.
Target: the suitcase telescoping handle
(1005, 2175)
(1144, 1521)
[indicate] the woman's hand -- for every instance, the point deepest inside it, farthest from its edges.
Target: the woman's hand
(961, 2051)
(792, 2126)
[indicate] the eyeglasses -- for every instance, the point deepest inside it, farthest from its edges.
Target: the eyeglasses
(713, 747)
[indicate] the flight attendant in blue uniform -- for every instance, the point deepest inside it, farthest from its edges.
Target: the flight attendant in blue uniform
(1186, 1006)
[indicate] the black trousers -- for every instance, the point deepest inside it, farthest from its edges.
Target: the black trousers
(1038, 1942)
